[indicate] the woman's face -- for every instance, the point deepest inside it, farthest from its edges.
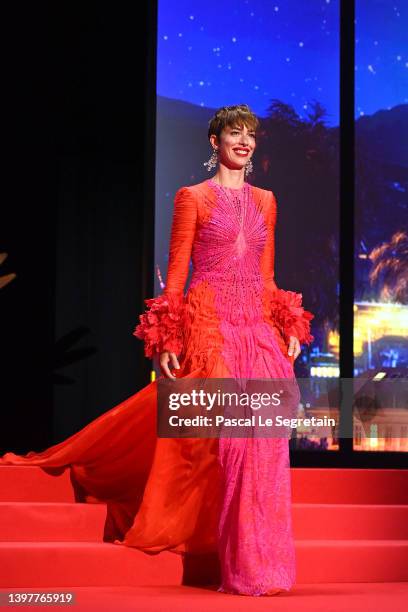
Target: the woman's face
(235, 146)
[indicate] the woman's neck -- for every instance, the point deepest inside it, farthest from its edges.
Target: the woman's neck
(229, 178)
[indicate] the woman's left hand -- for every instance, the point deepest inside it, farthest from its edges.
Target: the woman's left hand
(294, 347)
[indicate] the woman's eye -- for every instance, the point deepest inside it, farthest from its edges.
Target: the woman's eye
(237, 132)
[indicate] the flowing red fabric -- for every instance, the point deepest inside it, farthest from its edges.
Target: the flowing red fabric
(199, 496)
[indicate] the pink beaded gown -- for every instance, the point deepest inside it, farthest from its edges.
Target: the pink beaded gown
(227, 496)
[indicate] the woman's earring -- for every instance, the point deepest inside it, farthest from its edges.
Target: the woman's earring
(212, 162)
(248, 167)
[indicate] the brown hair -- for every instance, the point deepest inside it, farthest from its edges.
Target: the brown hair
(232, 116)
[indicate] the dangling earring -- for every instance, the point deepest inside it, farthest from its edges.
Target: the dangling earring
(248, 167)
(212, 162)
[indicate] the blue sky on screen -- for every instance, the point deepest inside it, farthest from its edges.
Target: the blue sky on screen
(381, 55)
(214, 53)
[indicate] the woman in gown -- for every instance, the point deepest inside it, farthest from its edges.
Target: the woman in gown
(222, 503)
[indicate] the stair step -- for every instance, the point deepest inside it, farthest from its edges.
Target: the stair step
(309, 485)
(352, 560)
(349, 486)
(31, 483)
(53, 521)
(350, 521)
(44, 564)
(50, 521)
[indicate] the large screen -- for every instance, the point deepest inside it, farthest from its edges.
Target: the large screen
(282, 59)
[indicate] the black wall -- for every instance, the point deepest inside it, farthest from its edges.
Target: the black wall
(77, 212)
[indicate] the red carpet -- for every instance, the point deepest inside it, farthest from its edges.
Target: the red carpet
(350, 527)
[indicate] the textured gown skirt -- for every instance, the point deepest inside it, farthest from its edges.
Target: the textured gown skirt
(226, 500)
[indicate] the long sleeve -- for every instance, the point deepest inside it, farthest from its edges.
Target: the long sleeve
(285, 307)
(162, 325)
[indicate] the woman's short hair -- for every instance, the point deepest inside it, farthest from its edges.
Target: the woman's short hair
(232, 116)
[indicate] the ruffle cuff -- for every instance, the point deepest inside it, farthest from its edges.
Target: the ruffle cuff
(162, 326)
(290, 316)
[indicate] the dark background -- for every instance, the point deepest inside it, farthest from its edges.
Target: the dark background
(80, 110)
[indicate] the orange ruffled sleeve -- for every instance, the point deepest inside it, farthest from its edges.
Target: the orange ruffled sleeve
(284, 306)
(162, 326)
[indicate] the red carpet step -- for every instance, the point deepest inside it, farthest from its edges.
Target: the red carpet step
(349, 486)
(309, 485)
(70, 522)
(349, 525)
(30, 483)
(42, 564)
(51, 521)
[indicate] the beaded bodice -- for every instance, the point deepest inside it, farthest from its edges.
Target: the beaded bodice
(227, 253)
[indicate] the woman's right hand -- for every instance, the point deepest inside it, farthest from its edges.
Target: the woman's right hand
(167, 358)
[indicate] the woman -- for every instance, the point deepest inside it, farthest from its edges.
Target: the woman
(223, 503)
